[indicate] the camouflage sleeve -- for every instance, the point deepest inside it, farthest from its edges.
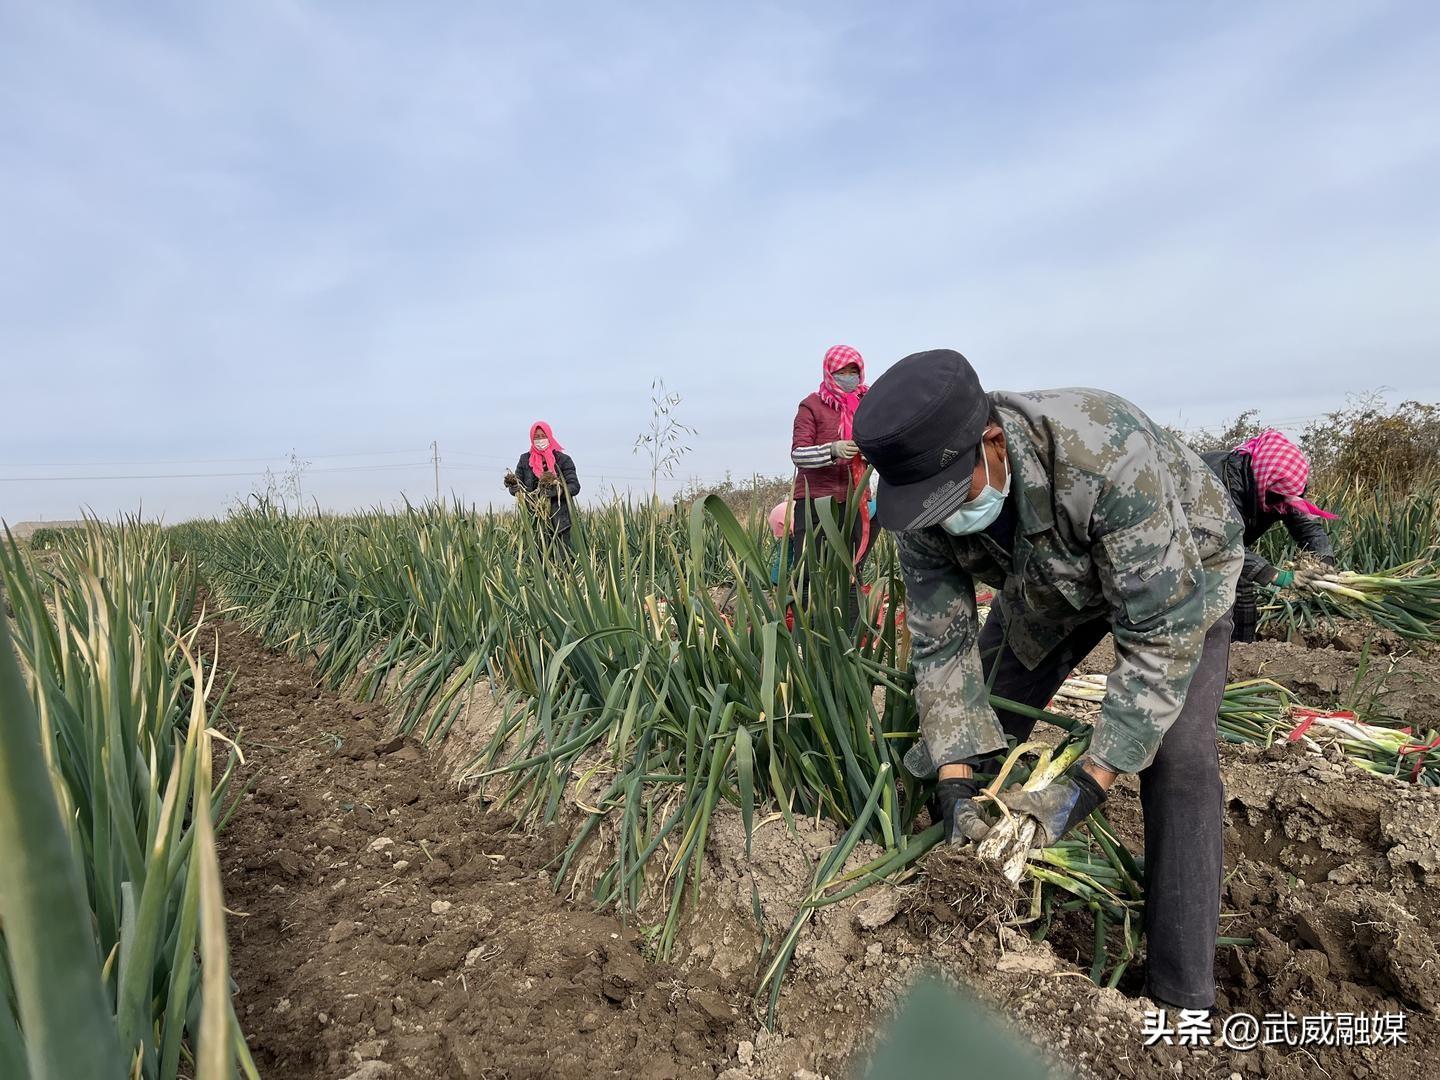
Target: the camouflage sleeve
(1152, 576)
(956, 720)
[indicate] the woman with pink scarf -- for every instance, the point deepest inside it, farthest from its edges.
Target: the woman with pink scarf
(827, 461)
(548, 469)
(1267, 477)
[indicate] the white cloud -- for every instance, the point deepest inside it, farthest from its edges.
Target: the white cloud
(253, 227)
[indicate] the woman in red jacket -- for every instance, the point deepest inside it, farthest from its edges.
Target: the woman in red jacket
(827, 461)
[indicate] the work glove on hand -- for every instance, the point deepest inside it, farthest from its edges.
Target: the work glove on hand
(1300, 580)
(1060, 806)
(962, 817)
(845, 449)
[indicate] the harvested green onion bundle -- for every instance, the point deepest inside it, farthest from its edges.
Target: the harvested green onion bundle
(1384, 751)
(1089, 689)
(1255, 711)
(1404, 599)
(1010, 841)
(1252, 711)
(1095, 873)
(1263, 712)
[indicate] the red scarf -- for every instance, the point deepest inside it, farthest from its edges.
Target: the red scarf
(543, 461)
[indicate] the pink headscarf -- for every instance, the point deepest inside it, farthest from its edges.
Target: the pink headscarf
(837, 357)
(1282, 470)
(777, 518)
(543, 460)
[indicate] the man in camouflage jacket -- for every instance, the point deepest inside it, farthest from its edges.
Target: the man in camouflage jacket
(1089, 519)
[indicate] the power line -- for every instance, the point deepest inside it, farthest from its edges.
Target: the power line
(1267, 421)
(480, 457)
(604, 474)
(367, 468)
(588, 467)
(620, 472)
(196, 461)
(597, 470)
(592, 466)
(610, 474)
(202, 475)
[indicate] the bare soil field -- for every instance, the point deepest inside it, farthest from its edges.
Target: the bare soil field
(392, 926)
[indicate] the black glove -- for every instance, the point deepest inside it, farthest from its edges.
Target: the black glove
(1266, 575)
(1059, 807)
(962, 817)
(1328, 560)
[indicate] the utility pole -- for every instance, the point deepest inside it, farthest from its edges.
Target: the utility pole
(435, 457)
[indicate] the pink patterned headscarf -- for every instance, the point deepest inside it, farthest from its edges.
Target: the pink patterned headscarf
(837, 357)
(777, 518)
(543, 460)
(1281, 470)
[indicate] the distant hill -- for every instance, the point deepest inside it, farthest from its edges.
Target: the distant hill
(23, 530)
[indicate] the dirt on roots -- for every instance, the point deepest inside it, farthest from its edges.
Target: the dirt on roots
(394, 927)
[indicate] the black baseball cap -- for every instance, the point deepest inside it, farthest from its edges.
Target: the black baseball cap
(920, 425)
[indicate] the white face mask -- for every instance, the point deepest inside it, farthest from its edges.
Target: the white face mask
(980, 512)
(542, 443)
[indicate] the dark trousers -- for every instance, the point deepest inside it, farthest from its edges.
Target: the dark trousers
(807, 520)
(1246, 613)
(1180, 793)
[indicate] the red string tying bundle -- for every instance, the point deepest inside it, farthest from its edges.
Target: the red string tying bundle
(1308, 717)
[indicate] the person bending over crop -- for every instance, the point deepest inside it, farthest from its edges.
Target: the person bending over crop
(1088, 518)
(1266, 477)
(549, 473)
(782, 527)
(827, 460)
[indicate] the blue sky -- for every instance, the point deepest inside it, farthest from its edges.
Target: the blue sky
(230, 230)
